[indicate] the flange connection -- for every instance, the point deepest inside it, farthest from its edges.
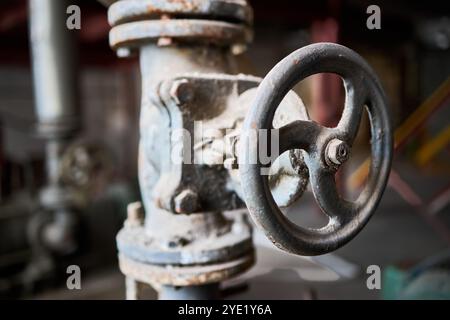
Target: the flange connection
(218, 22)
(204, 254)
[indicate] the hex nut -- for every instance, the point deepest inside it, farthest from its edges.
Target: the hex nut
(177, 242)
(337, 152)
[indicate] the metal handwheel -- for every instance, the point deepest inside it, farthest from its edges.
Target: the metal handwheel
(324, 149)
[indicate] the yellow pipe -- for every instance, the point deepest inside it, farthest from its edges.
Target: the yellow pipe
(406, 129)
(421, 113)
(433, 147)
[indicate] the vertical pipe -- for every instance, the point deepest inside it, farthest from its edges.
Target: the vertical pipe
(58, 116)
(54, 78)
(55, 83)
(203, 292)
(53, 155)
(133, 289)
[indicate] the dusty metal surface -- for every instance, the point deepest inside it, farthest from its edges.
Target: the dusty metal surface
(134, 34)
(324, 149)
(134, 10)
(217, 22)
(158, 275)
(202, 238)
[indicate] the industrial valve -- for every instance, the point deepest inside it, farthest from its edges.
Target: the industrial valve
(201, 125)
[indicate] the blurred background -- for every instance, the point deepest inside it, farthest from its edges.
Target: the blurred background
(408, 237)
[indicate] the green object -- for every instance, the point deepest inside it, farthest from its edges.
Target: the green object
(430, 284)
(394, 280)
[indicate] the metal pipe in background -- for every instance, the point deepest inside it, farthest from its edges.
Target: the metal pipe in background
(55, 79)
(58, 118)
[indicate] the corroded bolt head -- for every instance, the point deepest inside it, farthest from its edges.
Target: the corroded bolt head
(125, 52)
(181, 91)
(177, 242)
(186, 202)
(337, 152)
(135, 214)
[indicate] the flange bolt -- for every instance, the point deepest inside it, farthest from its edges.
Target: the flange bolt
(135, 215)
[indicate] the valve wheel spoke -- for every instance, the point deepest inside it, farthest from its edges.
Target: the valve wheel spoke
(355, 99)
(324, 187)
(298, 135)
